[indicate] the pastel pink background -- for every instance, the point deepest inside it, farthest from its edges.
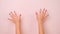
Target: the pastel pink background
(29, 23)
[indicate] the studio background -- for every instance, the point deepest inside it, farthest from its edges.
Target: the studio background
(29, 23)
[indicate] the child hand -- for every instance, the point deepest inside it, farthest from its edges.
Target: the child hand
(15, 18)
(42, 15)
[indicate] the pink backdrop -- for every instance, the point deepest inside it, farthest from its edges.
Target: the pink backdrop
(29, 23)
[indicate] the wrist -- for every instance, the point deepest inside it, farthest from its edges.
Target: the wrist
(17, 23)
(40, 22)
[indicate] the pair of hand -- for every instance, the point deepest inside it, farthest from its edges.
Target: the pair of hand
(41, 16)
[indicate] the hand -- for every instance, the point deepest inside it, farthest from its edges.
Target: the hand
(42, 15)
(15, 18)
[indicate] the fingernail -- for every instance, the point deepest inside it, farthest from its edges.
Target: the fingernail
(14, 10)
(9, 13)
(46, 9)
(36, 13)
(20, 14)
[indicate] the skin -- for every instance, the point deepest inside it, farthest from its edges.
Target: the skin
(16, 19)
(41, 16)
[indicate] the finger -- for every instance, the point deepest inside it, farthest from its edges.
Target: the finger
(43, 11)
(36, 15)
(40, 10)
(15, 13)
(20, 16)
(46, 15)
(10, 19)
(11, 15)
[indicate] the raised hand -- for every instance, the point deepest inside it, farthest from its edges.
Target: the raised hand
(42, 15)
(14, 17)
(17, 20)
